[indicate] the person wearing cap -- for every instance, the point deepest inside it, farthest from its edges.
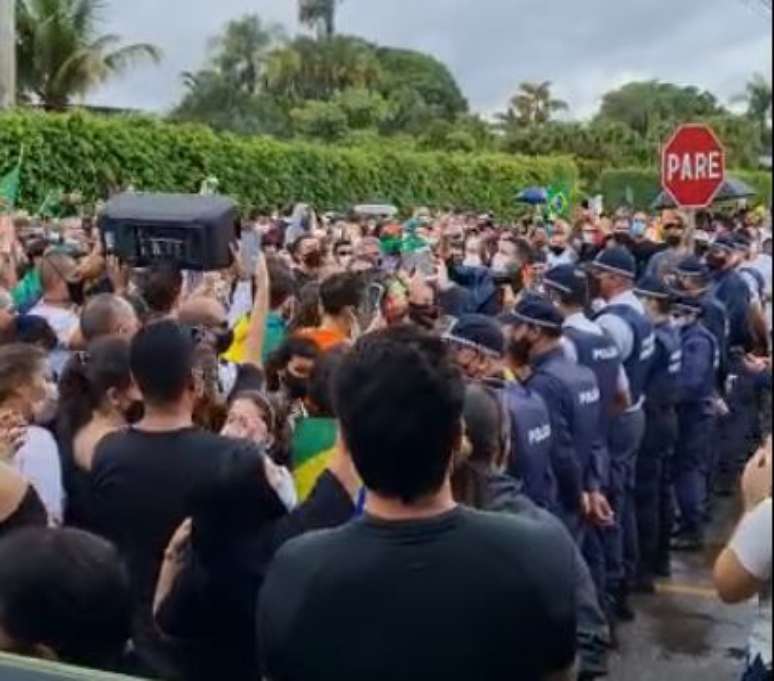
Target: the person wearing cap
(693, 279)
(570, 392)
(729, 287)
(478, 346)
(663, 263)
(655, 513)
(696, 420)
(756, 283)
(587, 344)
(623, 317)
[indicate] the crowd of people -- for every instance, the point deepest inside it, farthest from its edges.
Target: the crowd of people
(442, 448)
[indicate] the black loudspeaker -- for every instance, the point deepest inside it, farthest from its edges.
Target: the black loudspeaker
(191, 230)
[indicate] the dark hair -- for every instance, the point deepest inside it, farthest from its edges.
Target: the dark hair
(100, 313)
(86, 379)
(162, 286)
(321, 382)
(68, 590)
(486, 426)
(293, 346)
(340, 291)
(282, 284)
(19, 362)
(34, 330)
(341, 243)
(161, 358)
(399, 399)
(308, 313)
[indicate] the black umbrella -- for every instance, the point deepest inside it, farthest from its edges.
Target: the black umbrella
(732, 190)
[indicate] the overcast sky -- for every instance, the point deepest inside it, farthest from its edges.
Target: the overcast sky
(585, 47)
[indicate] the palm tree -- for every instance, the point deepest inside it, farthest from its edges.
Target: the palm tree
(533, 104)
(243, 50)
(61, 55)
(757, 96)
(318, 14)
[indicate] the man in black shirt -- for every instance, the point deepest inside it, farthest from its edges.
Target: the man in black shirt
(149, 478)
(418, 588)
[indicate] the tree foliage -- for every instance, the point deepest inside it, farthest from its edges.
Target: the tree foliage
(319, 15)
(533, 104)
(61, 53)
(97, 155)
(642, 104)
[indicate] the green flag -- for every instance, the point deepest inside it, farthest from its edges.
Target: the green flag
(9, 185)
(52, 205)
(9, 188)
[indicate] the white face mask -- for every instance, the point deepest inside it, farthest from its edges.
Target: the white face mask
(472, 260)
(282, 483)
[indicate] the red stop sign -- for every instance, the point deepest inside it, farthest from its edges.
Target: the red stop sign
(693, 166)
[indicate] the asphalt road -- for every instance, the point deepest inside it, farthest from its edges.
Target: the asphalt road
(684, 633)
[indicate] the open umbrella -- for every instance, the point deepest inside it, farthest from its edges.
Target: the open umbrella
(534, 196)
(732, 190)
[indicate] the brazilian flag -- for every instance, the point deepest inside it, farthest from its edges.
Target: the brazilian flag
(314, 440)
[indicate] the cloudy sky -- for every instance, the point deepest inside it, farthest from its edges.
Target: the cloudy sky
(585, 47)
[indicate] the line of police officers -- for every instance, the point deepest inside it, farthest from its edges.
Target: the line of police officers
(619, 420)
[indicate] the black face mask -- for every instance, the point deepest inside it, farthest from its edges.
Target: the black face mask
(700, 249)
(296, 387)
(424, 315)
(519, 351)
(623, 240)
(75, 292)
(313, 260)
(716, 262)
(673, 240)
(223, 341)
(557, 250)
(134, 412)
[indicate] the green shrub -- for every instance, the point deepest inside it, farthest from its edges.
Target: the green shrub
(641, 186)
(96, 155)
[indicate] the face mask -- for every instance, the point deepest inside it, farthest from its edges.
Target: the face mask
(638, 228)
(589, 238)
(424, 315)
(557, 250)
(623, 240)
(519, 351)
(313, 260)
(134, 412)
(296, 387)
(282, 483)
(75, 292)
(673, 240)
(223, 341)
(716, 262)
(700, 249)
(44, 411)
(472, 261)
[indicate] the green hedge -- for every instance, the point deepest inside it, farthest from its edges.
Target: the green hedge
(93, 155)
(642, 186)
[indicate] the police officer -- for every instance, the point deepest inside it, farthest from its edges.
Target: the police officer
(478, 347)
(588, 345)
(655, 512)
(696, 415)
(623, 317)
(693, 279)
(570, 392)
(729, 287)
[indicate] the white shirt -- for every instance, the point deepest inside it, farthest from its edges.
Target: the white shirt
(616, 327)
(581, 322)
(763, 264)
(38, 462)
(752, 547)
(63, 322)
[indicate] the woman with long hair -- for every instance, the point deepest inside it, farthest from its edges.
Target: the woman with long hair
(96, 397)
